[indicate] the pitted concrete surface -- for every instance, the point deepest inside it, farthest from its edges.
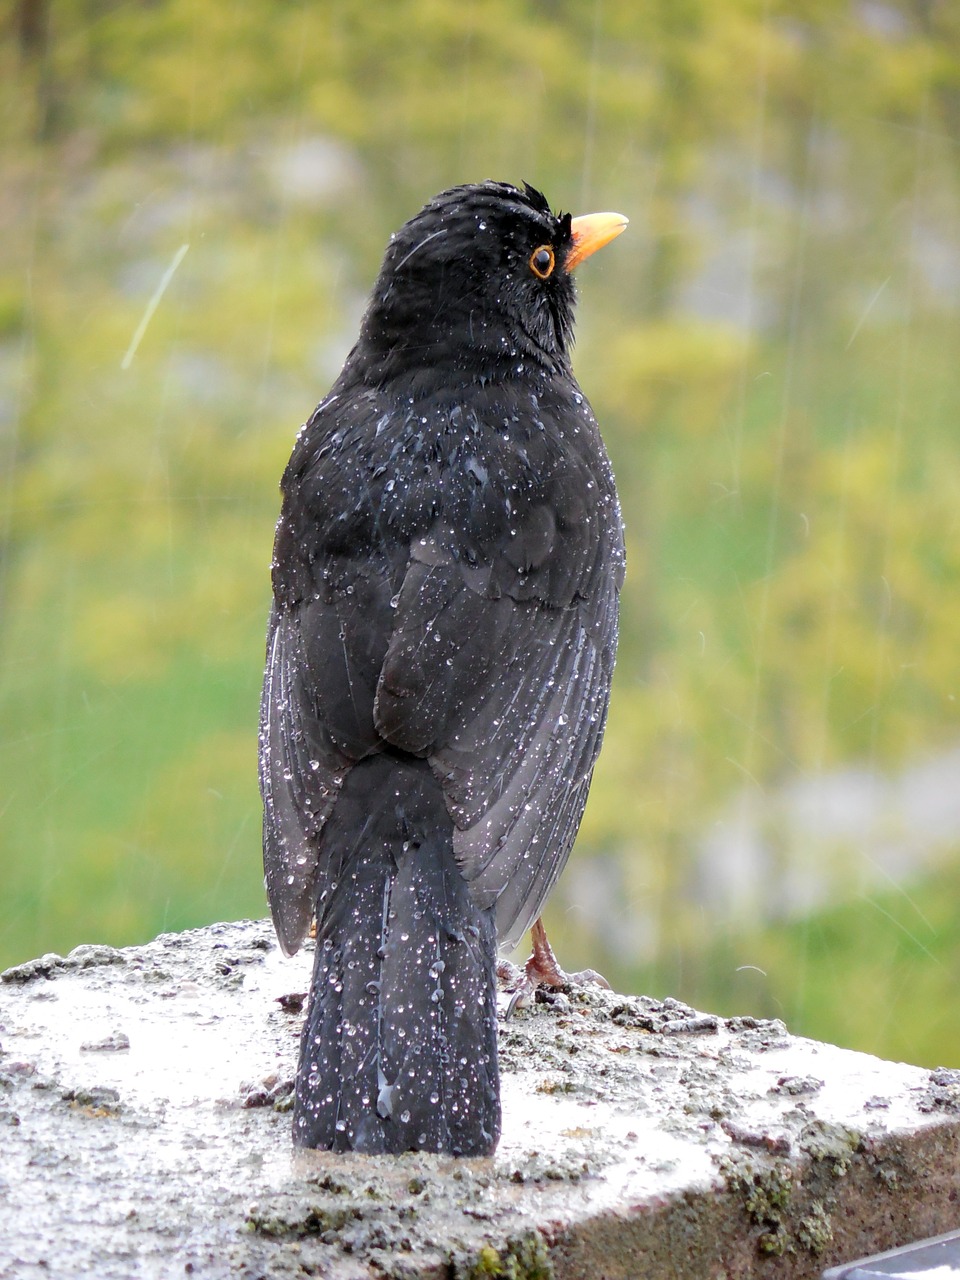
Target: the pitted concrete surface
(145, 1131)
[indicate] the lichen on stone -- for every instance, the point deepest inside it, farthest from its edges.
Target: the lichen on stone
(765, 1191)
(835, 1143)
(815, 1230)
(521, 1258)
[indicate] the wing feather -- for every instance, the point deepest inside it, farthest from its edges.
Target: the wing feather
(508, 699)
(300, 775)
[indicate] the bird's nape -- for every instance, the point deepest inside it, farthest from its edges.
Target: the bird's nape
(460, 287)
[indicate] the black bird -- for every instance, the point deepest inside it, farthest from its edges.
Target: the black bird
(445, 577)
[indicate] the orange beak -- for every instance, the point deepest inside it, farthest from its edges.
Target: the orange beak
(590, 233)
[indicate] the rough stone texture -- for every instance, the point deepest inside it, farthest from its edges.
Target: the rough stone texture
(144, 1132)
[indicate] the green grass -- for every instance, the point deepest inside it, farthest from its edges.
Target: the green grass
(133, 808)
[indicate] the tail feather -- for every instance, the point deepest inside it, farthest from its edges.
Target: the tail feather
(399, 1048)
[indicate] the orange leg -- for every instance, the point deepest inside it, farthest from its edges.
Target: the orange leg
(542, 970)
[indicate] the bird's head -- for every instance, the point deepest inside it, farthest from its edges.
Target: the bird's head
(480, 280)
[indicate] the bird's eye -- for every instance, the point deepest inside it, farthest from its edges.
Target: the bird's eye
(541, 261)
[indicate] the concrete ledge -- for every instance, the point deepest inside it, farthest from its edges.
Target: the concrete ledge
(143, 1129)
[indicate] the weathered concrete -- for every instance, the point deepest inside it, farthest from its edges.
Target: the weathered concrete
(143, 1132)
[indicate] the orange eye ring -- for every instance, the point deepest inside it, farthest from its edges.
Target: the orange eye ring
(542, 261)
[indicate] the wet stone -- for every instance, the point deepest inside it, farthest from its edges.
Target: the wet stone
(144, 1108)
(796, 1086)
(86, 956)
(115, 1042)
(95, 1100)
(43, 967)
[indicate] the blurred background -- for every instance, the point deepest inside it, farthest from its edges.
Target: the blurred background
(194, 199)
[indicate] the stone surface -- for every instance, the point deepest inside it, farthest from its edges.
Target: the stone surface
(144, 1131)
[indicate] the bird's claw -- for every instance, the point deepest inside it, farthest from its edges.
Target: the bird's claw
(541, 970)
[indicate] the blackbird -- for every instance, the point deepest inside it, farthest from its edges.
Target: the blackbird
(445, 578)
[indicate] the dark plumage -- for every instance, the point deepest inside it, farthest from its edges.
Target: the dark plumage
(440, 648)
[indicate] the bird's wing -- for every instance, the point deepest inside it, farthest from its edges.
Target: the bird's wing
(300, 774)
(325, 648)
(501, 676)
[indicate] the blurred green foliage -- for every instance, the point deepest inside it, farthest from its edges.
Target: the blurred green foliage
(771, 351)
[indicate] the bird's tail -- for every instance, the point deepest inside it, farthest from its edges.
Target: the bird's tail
(399, 1049)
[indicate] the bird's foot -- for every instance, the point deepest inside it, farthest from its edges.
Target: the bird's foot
(541, 970)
